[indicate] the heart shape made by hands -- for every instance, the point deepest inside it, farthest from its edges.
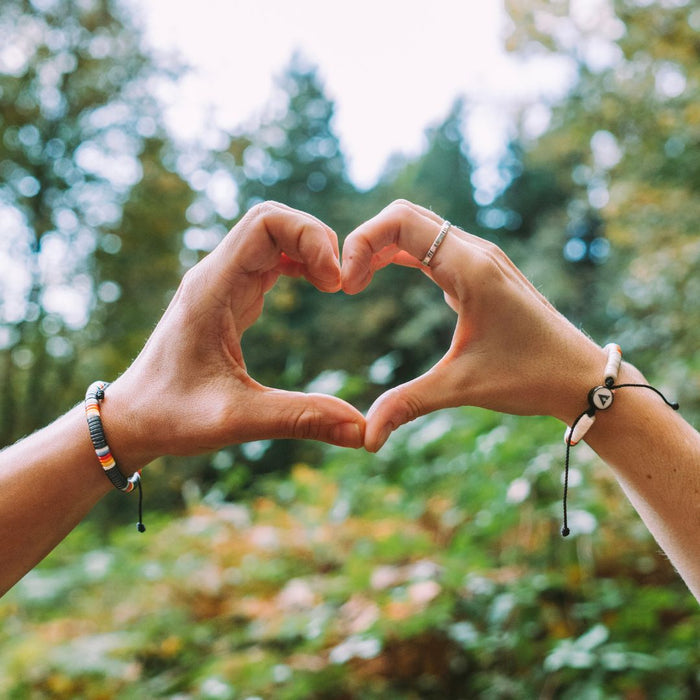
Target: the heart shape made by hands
(194, 359)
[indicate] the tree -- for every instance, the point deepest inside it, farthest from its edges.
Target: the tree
(441, 177)
(294, 155)
(623, 146)
(82, 144)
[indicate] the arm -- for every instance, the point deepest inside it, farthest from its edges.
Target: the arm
(187, 392)
(513, 352)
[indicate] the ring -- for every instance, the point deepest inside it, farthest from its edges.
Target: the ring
(436, 243)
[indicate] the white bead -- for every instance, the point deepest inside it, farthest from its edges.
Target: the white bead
(614, 360)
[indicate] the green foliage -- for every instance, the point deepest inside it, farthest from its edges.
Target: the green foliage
(432, 570)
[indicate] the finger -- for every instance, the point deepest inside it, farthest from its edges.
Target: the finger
(402, 404)
(290, 268)
(267, 231)
(467, 237)
(407, 227)
(278, 414)
(454, 230)
(400, 226)
(394, 256)
(371, 245)
(481, 244)
(332, 237)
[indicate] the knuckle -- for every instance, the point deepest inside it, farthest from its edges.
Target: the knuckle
(414, 407)
(261, 210)
(190, 283)
(409, 405)
(306, 424)
(401, 207)
(493, 251)
(489, 265)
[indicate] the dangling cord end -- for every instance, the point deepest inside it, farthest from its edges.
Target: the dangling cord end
(570, 434)
(565, 527)
(569, 437)
(135, 480)
(139, 525)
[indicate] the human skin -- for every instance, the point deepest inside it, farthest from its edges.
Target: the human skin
(186, 393)
(513, 352)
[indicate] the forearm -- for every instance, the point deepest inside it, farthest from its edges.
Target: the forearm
(48, 483)
(655, 456)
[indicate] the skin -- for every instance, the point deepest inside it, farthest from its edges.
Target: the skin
(187, 392)
(513, 352)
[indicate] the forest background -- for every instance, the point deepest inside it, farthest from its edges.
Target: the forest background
(433, 569)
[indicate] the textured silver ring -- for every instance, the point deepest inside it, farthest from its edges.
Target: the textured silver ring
(436, 243)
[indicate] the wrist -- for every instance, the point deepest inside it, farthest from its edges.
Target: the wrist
(126, 430)
(624, 415)
(581, 370)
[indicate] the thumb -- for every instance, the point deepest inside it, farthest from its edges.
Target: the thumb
(406, 402)
(294, 414)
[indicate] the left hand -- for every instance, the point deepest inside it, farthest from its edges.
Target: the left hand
(511, 350)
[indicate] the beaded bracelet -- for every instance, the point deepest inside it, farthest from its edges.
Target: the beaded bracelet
(93, 396)
(600, 398)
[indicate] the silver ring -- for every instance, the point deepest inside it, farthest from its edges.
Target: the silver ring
(436, 243)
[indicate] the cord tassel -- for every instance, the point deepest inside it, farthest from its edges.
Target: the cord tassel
(673, 404)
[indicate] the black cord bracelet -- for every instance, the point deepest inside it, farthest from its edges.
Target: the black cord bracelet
(600, 398)
(93, 396)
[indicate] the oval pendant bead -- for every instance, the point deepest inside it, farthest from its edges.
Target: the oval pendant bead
(580, 429)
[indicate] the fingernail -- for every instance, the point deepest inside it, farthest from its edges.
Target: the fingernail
(348, 435)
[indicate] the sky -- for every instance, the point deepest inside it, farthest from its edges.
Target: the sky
(392, 68)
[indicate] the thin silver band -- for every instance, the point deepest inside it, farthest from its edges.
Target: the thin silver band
(436, 243)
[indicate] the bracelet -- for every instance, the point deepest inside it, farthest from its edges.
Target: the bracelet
(93, 396)
(600, 398)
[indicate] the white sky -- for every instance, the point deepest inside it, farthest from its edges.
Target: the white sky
(393, 67)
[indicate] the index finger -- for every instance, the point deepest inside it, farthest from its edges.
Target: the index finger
(272, 236)
(402, 226)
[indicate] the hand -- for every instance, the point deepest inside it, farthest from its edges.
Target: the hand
(188, 390)
(511, 350)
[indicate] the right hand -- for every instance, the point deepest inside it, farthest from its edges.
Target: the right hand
(188, 391)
